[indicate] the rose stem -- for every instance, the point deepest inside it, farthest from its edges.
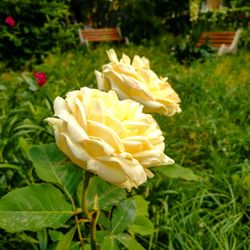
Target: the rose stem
(85, 210)
(92, 216)
(93, 242)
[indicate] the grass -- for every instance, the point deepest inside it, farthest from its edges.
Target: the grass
(211, 136)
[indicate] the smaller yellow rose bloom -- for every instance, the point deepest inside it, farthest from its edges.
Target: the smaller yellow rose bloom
(138, 82)
(111, 138)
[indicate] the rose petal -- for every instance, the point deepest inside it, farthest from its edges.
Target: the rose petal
(107, 134)
(149, 158)
(130, 167)
(102, 82)
(97, 147)
(109, 173)
(112, 55)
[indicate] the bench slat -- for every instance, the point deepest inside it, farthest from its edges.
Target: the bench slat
(216, 39)
(100, 35)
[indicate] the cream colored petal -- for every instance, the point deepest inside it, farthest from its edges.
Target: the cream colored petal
(164, 79)
(75, 131)
(130, 167)
(125, 59)
(116, 125)
(129, 86)
(76, 150)
(153, 157)
(155, 133)
(149, 173)
(150, 79)
(102, 82)
(54, 122)
(171, 108)
(165, 93)
(146, 144)
(112, 56)
(146, 64)
(108, 172)
(107, 134)
(153, 106)
(159, 146)
(64, 146)
(123, 69)
(136, 125)
(135, 109)
(137, 88)
(120, 93)
(71, 98)
(58, 125)
(97, 147)
(94, 111)
(132, 147)
(80, 114)
(137, 63)
(112, 96)
(61, 107)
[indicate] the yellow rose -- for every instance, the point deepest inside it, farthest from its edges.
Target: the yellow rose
(111, 138)
(138, 82)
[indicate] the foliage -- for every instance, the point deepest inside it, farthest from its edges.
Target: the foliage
(245, 39)
(40, 26)
(210, 136)
(224, 19)
(186, 52)
(133, 16)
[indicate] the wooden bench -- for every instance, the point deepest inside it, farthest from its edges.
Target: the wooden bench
(101, 35)
(224, 41)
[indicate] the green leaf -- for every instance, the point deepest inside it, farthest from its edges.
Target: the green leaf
(104, 221)
(129, 242)
(65, 242)
(123, 216)
(142, 226)
(141, 205)
(110, 243)
(177, 171)
(101, 235)
(34, 208)
(29, 80)
(75, 245)
(43, 239)
(55, 235)
(108, 195)
(2, 87)
(86, 247)
(51, 166)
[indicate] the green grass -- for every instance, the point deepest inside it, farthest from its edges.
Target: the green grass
(211, 136)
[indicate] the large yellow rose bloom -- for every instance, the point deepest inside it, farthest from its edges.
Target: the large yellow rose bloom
(111, 138)
(138, 82)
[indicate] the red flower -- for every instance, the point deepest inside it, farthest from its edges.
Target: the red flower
(40, 78)
(9, 20)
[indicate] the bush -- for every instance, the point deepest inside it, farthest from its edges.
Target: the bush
(40, 26)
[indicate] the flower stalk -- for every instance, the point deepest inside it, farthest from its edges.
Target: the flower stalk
(92, 216)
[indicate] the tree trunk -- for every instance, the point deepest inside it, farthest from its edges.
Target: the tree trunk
(213, 4)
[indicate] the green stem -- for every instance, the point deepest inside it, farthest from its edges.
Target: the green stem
(93, 215)
(86, 180)
(93, 242)
(79, 232)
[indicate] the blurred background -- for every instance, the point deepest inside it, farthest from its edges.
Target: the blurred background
(45, 25)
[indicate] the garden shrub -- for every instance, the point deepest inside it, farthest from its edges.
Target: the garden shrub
(224, 19)
(39, 26)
